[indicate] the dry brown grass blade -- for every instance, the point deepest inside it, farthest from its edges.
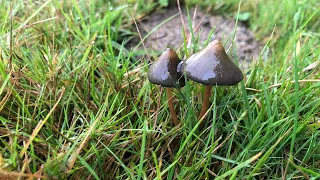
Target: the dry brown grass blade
(134, 71)
(195, 29)
(14, 175)
(39, 125)
(40, 171)
(221, 144)
(181, 16)
(280, 84)
(29, 25)
(5, 99)
(212, 173)
(131, 82)
(144, 47)
(85, 140)
(299, 81)
(25, 166)
(299, 169)
(311, 66)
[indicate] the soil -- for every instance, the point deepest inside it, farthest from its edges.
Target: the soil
(170, 33)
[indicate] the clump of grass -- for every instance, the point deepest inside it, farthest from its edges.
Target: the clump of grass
(76, 103)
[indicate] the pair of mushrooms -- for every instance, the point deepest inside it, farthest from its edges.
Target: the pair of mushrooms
(211, 66)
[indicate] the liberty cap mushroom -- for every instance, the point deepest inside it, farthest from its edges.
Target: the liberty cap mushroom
(212, 66)
(166, 72)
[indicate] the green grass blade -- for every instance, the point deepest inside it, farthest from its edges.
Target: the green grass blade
(240, 166)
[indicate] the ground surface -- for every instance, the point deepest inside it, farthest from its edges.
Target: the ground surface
(170, 33)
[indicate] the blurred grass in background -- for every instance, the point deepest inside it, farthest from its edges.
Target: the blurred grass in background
(74, 102)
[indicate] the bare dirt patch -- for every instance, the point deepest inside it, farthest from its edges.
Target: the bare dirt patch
(170, 33)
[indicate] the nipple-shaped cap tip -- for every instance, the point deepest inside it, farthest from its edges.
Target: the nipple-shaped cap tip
(164, 71)
(212, 66)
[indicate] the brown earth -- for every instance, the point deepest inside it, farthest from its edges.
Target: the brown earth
(170, 33)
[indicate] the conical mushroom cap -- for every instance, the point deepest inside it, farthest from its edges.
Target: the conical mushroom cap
(164, 71)
(212, 66)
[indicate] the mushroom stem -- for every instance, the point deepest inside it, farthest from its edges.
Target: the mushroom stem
(171, 107)
(205, 103)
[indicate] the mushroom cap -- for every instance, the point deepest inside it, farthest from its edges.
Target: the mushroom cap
(165, 71)
(212, 66)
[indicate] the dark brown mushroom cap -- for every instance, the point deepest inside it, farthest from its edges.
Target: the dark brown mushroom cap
(164, 72)
(212, 66)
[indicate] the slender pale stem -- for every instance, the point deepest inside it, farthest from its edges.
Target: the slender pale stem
(171, 107)
(205, 103)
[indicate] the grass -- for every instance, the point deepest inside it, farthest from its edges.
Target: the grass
(75, 103)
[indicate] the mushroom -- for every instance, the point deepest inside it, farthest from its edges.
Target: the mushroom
(166, 72)
(211, 66)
